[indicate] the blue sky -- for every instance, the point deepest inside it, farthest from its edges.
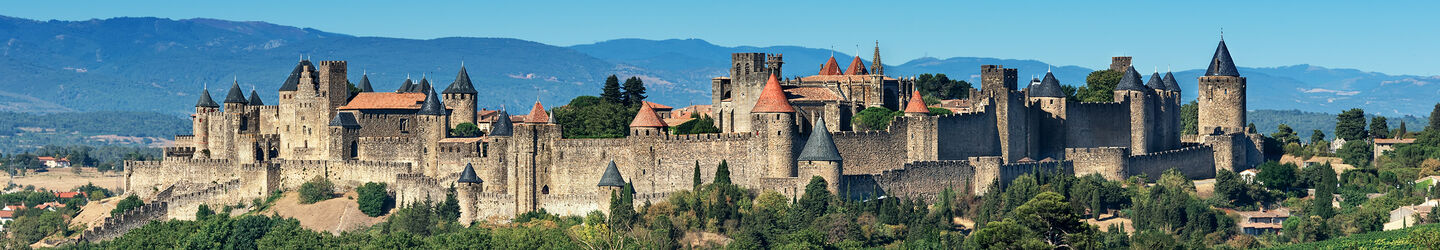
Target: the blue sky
(1394, 37)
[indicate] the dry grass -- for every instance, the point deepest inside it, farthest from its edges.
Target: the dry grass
(94, 213)
(65, 180)
(333, 215)
(1109, 219)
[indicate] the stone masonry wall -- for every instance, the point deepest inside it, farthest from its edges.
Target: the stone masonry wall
(1092, 125)
(119, 224)
(1195, 162)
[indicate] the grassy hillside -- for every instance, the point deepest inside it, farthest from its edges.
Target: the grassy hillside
(1375, 240)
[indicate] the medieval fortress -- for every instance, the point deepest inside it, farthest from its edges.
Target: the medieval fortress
(777, 134)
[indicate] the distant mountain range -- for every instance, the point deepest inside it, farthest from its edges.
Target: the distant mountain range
(156, 64)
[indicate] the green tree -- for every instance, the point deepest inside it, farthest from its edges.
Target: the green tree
(32, 228)
(1190, 117)
(1324, 191)
(1005, 234)
(316, 190)
(696, 177)
(1427, 238)
(203, 212)
(634, 91)
(1379, 128)
(1100, 86)
(1434, 119)
(1317, 136)
(1277, 176)
(1049, 215)
(449, 210)
(593, 117)
(1400, 132)
(611, 91)
(465, 130)
(1350, 125)
(1285, 135)
(699, 125)
(130, 202)
(814, 203)
(939, 111)
(1356, 153)
(722, 173)
(876, 118)
(942, 87)
(372, 198)
(622, 207)
(418, 219)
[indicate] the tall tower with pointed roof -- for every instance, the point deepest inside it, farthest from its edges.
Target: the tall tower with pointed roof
(460, 98)
(774, 119)
(1140, 99)
(1222, 95)
(875, 66)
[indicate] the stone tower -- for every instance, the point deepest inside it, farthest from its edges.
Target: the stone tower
(1050, 136)
(460, 98)
(921, 129)
(821, 158)
(468, 186)
(996, 80)
(205, 110)
(1222, 95)
(431, 121)
(748, 73)
(1119, 63)
(1142, 116)
(774, 119)
(875, 66)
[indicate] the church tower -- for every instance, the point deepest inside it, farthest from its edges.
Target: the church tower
(1222, 95)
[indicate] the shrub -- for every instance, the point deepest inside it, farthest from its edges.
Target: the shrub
(373, 198)
(130, 202)
(316, 190)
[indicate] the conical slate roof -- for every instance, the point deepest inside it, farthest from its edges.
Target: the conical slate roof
(461, 85)
(611, 178)
(1155, 82)
(468, 175)
(255, 99)
(1049, 87)
(857, 67)
(236, 95)
(365, 84)
(292, 83)
(1170, 84)
(406, 86)
(537, 114)
(345, 119)
(830, 68)
(772, 98)
(1221, 64)
(647, 118)
(820, 146)
(205, 100)
(432, 105)
(916, 104)
(502, 125)
(420, 88)
(1131, 81)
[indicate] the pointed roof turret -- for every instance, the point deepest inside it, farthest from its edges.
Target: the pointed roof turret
(1049, 87)
(432, 104)
(461, 85)
(468, 175)
(345, 119)
(1155, 82)
(422, 87)
(876, 67)
(405, 87)
(537, 114)
(236, 95)
(1221, 64)
(857, 67)
(1170, 84)
(612, 177)
(647, 118)
(1131, 81)
(292, 83)
(205, 100)
(255, 99)
(916, 104)
(820, 146)
(830, 68)
(772, 98)
(502, 125)
(365, 84)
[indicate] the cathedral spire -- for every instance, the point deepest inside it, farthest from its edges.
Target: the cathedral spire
(877, 68)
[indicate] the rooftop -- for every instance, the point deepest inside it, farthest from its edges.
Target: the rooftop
(385, 100)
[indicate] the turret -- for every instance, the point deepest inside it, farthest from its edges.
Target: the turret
(432, 118)
(255, 99)
(647, 123)
(502, 125)
(235, 99)
(537, 115)
(466, 188)
(205, 110)
(916, 105)
(1142, 116)
(610, 181)
(344, 134)
(1222, 95)
(365, 84)
(821, 158)
(773, 119)
(405, 86)
(460, 97)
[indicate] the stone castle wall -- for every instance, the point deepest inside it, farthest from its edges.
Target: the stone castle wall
(922, 179)
(1196, 162)
(961, 136)
(1093, 125)
(871, 152)
(117, 225)
(1109, 162)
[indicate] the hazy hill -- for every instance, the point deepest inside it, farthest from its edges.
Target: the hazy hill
(154, 64)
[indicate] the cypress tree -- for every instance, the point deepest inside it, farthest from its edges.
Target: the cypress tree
(634, 91)
(1379, 128)
(1434, 118)
(1400, 133)
(696, 178)
(722, 173)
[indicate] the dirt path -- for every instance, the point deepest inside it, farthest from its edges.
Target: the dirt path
(333, 215)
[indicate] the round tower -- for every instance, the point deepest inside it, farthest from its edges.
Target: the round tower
(821, 158)
(460, 97)
(205, 110)
(467, 187)
(647, 123)
(1138, 97)
(773, 120)
(1222, 95)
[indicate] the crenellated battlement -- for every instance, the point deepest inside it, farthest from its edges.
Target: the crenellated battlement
(118, 224)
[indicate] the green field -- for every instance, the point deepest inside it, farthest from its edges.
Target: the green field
(1375, 240)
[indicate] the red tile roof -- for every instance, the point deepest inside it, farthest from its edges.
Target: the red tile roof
(685, 112)
(772, 98)
(464, 140)
(385, 100)
(537, 114)
(830, 67)
(486, 115)
(677, 121)
(840, 78)
(658, 106)
(1394, 141)
(916, 104)
(812, 94)
(9, 214)
(856, 67)
(68, 195)
(647, 118)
